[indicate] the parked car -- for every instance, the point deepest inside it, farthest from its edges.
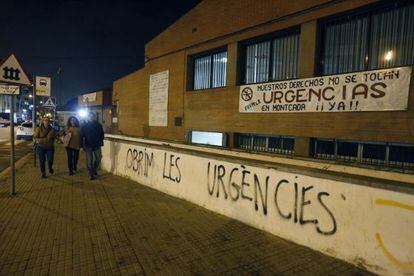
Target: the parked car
(25, 131)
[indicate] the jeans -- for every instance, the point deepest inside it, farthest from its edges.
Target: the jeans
(73, 157)
(43, 154)
(93, 160)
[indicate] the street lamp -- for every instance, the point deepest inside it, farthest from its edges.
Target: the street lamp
(83, 113)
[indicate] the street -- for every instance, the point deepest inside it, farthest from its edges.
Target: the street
(22, 148)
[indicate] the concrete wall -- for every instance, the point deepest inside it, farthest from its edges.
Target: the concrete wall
(364, 225)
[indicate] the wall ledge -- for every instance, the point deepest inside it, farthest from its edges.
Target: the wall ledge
(374, 177)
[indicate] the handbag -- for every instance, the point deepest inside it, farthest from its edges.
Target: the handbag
(66, 139)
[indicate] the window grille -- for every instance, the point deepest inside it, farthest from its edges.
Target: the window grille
(374, 153)
(266, 143)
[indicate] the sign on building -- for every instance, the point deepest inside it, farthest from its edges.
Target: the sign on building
(89, 98)
(377, 90)
(158, 99)
(9, 89)
(12, 72)
(43, 85)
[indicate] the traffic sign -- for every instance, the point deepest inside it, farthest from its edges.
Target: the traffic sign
(49, 103)
(6, 89)
(43, 86)
(12, 72)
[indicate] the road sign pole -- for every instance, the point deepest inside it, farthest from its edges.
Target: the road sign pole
(54, 115)
(12, 169)
(13, 73)
(34, 121)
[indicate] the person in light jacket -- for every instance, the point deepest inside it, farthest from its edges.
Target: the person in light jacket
(44, 139)
(91, 140)
(72, 144)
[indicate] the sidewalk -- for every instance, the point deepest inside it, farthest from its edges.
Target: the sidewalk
(70, 225)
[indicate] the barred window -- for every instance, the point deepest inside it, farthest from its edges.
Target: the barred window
(271, 60)
(379, 38)
(375, 153)
(268, 143)
(210, 71)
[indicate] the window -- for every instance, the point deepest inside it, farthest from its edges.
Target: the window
(375, 153)
(401, 155)
(274, 59)
(208, 138)
(269, 143)
(210, 71)
(325, 148)
(379, 38)
(347, 151)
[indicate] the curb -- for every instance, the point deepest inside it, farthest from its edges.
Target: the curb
(4, 174)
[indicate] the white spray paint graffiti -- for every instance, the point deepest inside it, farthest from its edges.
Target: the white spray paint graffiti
(345, 220)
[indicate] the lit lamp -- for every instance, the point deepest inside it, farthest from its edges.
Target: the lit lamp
(388, 56)
(83, 113)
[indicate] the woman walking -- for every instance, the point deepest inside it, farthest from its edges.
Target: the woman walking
(45, 147)
(72, 145)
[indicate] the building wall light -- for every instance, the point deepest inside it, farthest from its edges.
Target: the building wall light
(388, 56)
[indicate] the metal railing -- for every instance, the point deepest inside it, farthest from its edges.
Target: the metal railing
(266, 143)
(385, 154)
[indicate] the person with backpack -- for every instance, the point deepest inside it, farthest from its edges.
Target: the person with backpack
(91, 140)
(44, 139)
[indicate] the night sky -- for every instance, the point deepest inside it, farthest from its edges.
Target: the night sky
(94, 42)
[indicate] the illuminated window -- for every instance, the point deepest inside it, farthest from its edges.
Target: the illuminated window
(208, 138)
(272, 59)
(210, 71)
(370, 39)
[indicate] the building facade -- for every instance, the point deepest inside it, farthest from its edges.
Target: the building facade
(321, 79)
(100, 103)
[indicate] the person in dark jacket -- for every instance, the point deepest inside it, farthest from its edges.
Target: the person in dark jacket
(44, 140)
(91, 140)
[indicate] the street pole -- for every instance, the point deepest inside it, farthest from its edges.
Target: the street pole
(34, 121)
(54, 114)
(12, 172)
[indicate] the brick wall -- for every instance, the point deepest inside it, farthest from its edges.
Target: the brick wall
(217, 109)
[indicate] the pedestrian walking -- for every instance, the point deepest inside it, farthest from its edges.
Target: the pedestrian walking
(45, 145)
(71, 142)
(91, 140)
